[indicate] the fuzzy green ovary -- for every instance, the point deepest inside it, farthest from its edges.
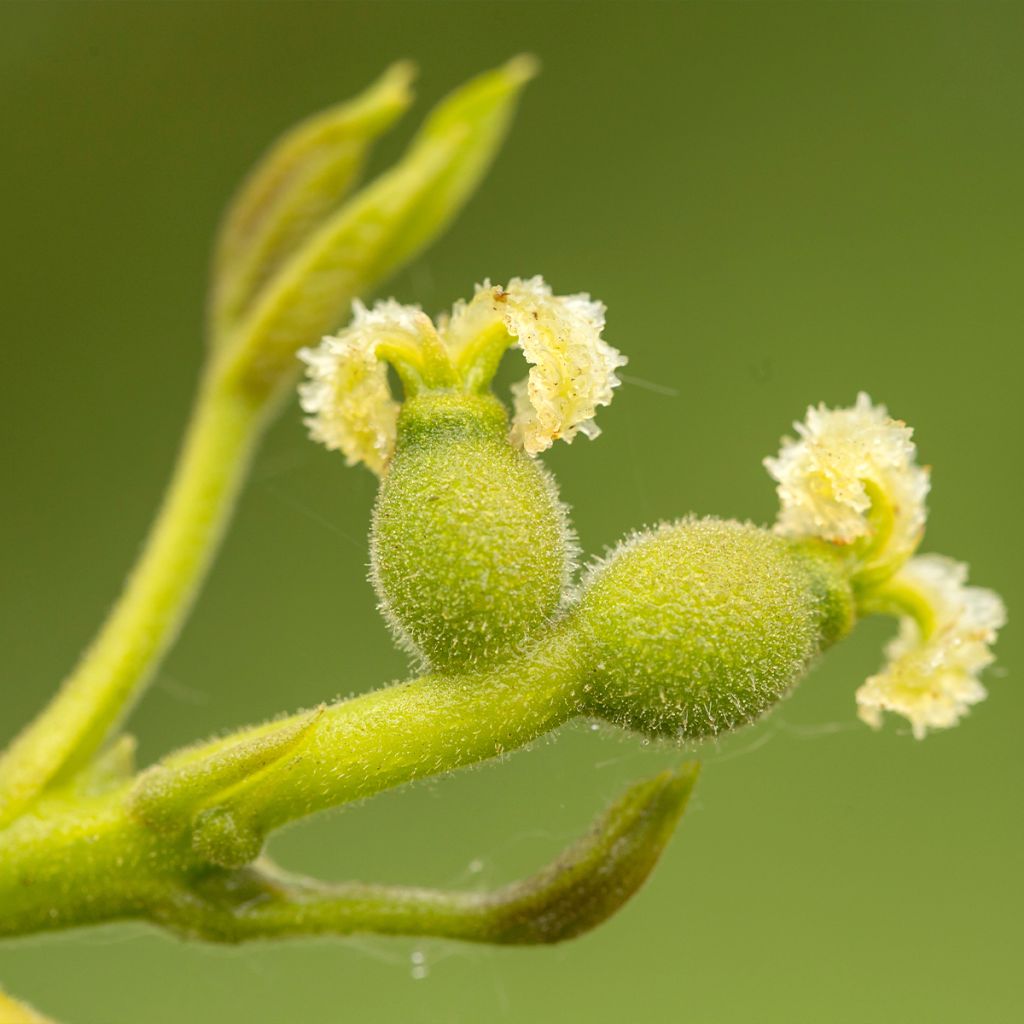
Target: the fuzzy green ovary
(470, 547)
(702, 625)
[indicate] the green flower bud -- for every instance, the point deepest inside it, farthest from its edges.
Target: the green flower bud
(471, 549)
(701, 625)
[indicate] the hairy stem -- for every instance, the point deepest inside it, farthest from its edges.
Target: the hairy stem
(81, 860)
(586, 884)
(360, 747)
(82, 864)
(98, 864)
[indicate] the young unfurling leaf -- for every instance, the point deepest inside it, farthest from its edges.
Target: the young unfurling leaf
(292, 189)
(378, 230)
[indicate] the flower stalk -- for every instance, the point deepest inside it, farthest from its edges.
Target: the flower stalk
(83, 861)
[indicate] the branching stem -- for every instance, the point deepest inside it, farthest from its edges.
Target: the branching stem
(358, 748)
(77, 860)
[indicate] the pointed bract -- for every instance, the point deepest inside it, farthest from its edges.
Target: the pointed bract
(305, 174)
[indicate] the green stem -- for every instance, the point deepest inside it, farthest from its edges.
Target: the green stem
(97, 864)
(898, 598)
(584, 886)
(91, 860)
(353, 750)
(115, 668)
(81, 864)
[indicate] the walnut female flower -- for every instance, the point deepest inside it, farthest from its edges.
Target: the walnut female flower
(471, 549)
(851, 480)
(684, 631)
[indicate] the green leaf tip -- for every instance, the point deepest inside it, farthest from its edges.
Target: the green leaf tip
(582, 888)
(351, 251)
(596, 876)
(293, 187)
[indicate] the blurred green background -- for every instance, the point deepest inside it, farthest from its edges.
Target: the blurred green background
(780, 205)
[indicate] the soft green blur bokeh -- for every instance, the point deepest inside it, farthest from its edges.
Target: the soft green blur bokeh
(780, 205)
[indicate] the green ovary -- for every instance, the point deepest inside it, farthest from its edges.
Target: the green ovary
(702, 625)
(471, 551)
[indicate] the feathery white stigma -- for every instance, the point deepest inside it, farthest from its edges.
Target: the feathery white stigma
(932, 680)
(573, 368)
(825, 475)
(346, 393)
(350, 405)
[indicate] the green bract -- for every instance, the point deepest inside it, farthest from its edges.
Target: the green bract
(702, 625)
(470, 548)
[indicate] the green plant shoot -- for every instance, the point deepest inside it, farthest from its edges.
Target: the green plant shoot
(684, 631)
